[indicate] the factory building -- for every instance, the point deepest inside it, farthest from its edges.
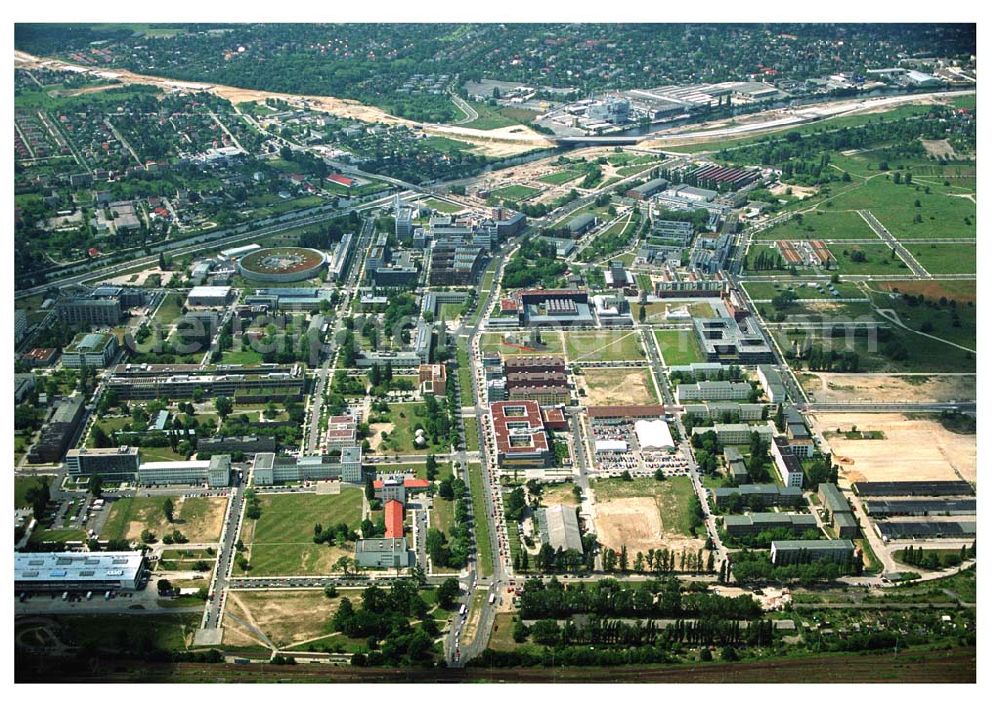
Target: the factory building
(560, 528)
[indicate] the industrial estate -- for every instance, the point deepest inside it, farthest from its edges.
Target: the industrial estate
(519, 363)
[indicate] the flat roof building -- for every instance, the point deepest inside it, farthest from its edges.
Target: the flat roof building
(64, 571)
(210, 296)
(787, 462)
(114, 464)
(382, 553)
(770, 380)
(795, 552)
(93, 350)
(756, 522)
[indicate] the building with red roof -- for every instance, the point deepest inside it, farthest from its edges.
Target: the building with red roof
(394, 520)
(520, 433)
(341, 179)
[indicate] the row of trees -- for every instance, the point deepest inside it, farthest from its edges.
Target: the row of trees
(663, 598)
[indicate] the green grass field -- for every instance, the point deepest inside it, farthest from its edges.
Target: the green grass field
(821, 225)
(464, 375)
(481, 520)
(443, 514)
(58, 535)
(108, 633)
(515, 192)
(442, 206)
(169, 309)
(560, 177)
(878, 260)
(280, 542)
(603, 346)
(247, 356)
(471, 434)
(937, 321)
(21, 487)
(765, 291)
(942, 216)
(672, 496)
(922, 354)
(493, 116)
(945, 259)
(679, 347)
(518, 344)
(445, 144)
(405, 419)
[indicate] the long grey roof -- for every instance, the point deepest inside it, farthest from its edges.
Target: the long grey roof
(92, 566)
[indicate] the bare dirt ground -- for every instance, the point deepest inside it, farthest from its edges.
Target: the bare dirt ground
(376, 431)
(832, 388)
(288, 616)
(913, 449)
(938, 148)
(800, 192)
(610, 386)
(634, 522)
(203, 527)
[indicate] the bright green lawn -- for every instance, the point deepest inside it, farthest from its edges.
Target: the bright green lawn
(281, 542)
(945, 259)
(679, 347)
(821, 225)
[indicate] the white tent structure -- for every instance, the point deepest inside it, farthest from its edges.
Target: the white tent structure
(610, 446)
(653, 434)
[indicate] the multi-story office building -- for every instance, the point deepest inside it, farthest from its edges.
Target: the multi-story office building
(713, 391)
(94, 350)
(250, 384)
(57, 434)
(787, 552)
(787, 462)
(737, 433)
(113, 464)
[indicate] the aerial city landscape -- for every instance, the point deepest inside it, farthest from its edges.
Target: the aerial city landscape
(495, 352)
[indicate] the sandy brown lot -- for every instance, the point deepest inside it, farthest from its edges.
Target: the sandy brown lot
(634, 522)
(836, 387)
(616, 385)
(285, 616)
(799, 192)
(913, 449)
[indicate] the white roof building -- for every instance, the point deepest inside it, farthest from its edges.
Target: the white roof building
(653, 434)
(610, 446)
